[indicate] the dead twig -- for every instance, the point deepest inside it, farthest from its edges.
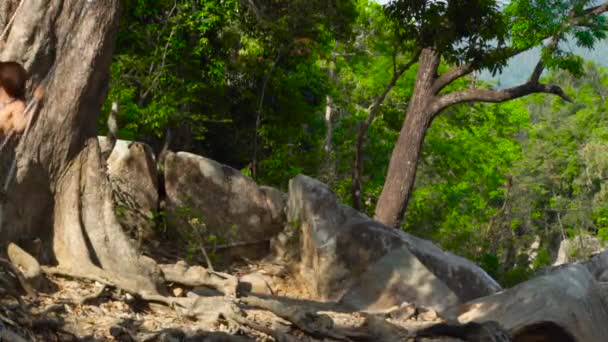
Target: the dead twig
(207, 260)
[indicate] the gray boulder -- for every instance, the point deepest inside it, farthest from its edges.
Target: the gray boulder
(598, 266)
(565, 305)
(345, 254)
(222, 202)
(397, 277)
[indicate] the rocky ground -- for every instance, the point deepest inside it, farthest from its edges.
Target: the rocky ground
(80, 310)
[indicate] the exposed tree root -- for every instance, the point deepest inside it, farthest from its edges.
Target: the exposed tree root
(194, 276)
(19, 276)
(208, 311)
(307, 320)
(27, 264)
(202, 308)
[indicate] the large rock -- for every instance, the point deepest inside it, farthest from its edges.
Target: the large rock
(598, 266)
(567, 303)
(397, 277)
(579, 248)
(345, 254)
(231, 206)
(132, 171)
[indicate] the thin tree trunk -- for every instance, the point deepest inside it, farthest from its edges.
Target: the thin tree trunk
(61, 193)
(356, 189)
(329, 164)
(373, 110)
(404, 159)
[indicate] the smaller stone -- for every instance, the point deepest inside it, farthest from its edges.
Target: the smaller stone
(428, 315)
(404, 312)
(178, 292)
(255, 283)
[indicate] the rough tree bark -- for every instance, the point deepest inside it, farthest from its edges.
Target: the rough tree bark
(402, 167)
(7, 7)
(372, 112)
(428, 101)
(61, 193)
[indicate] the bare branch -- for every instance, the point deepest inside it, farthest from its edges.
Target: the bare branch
(451, 75)
(160, 69)
(397, 73)
(501, 95)
(459, 71)
(538, 70)
(372, 111)
(487, 95)
(256, 10)
(10, 22)
(597, 10)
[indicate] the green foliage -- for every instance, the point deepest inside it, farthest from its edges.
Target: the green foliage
(170, 56)
(249, 81)
(463, 31)
(212, 69)
(532, 21)
(363, 68)
(195, 234)
(463, 175)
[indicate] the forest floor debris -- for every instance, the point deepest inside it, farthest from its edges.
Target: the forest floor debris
(84, 310)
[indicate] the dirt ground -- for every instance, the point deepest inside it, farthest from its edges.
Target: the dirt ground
(81, 310)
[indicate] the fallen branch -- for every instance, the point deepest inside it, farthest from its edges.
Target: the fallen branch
(315, 325)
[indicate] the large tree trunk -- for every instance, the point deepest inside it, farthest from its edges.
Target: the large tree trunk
(7, 7)
(404, 159)
(61, 191)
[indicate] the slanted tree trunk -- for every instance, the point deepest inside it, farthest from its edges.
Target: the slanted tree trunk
(61, 192)
(427, 102)
(404, 159)
(372, 112)
(328, 167)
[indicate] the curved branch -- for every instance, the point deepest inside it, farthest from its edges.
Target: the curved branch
(597, 10)
(508, 52)
(451, 75)
(397, 73)
(502, 95)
